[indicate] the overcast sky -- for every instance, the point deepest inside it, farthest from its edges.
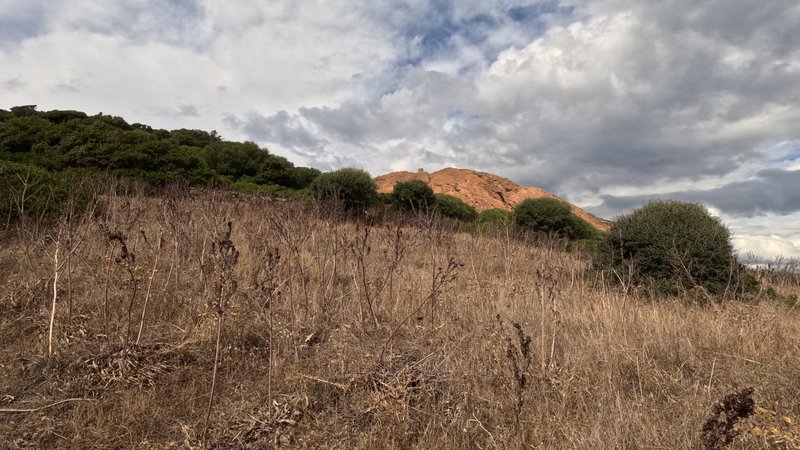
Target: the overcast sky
(608, 103)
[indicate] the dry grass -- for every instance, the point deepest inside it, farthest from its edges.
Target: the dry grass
(384, 337)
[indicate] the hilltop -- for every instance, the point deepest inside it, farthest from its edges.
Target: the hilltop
(481, 190)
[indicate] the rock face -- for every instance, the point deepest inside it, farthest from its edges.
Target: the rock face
(480, 190)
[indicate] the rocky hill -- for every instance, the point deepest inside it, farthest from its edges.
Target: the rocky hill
(481, 190)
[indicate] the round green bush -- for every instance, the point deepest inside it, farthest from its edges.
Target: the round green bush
(355, 188)
(413, 195)
(671, 245)
(455, 208)
(550, 215)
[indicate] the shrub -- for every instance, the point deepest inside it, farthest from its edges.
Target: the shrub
(385, 198)
(413, 195)
(550, 215)
(455, 208)
(355, 188)
(671, 245)
(272, 190)
(496, 216)
(38, 193)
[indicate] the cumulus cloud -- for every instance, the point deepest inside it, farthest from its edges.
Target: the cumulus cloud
(624, 98)
(140, 59)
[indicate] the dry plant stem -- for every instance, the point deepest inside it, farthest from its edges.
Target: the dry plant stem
(55, 297)
(149, 286)
(293, 242)
(69, 287)
(361, 250)
(105, 295)
(56, 270)
(270, 365)
(542, 353)
(128, 260)
(130, 304)
(226, 256)
(29, 410)
(320, 380)
(270, 290)
(480, 425)
(213, 381)
(440, 281)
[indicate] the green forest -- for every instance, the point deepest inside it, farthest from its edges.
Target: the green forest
(61, 141)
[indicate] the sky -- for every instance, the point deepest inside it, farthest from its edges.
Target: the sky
(607, 103)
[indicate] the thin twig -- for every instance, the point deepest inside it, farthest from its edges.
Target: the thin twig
(475, 419)
(320, 380)
(26, 410)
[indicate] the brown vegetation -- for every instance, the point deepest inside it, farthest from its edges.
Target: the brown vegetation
(480, 190)
(323, 333)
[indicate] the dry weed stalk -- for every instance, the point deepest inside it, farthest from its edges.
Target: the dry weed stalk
(295, 238)
(368, 276)
(441, 283)
(547, 289)
(519, 355)
(270, 290)
(225, 258)
(127, 260)
(157, 251)
(66, 225)
(361, 248)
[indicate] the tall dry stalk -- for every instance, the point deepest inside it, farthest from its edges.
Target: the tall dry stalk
(519, 355)
(441, 283)
(58, 264)
(56, 269)
(225, 256)
(67, 226)
(126, 259)
(157, 251)
(361, 247)
(270, 290)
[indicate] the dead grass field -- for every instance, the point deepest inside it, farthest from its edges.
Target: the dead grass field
(337, 335)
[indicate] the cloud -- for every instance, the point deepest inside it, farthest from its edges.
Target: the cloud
(179, 111)
(624, 98)
(139, 59)
(770, 191)
(765, 248)
(11, 84)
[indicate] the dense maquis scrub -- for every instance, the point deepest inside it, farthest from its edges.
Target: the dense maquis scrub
(354, 188)
(455, 208)
(58, 140)
(673, 246)
(413, 195)
(550, 215)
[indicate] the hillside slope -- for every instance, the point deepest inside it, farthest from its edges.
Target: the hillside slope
(481, 190)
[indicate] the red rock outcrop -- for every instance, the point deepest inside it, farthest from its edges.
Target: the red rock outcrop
(480, 190)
